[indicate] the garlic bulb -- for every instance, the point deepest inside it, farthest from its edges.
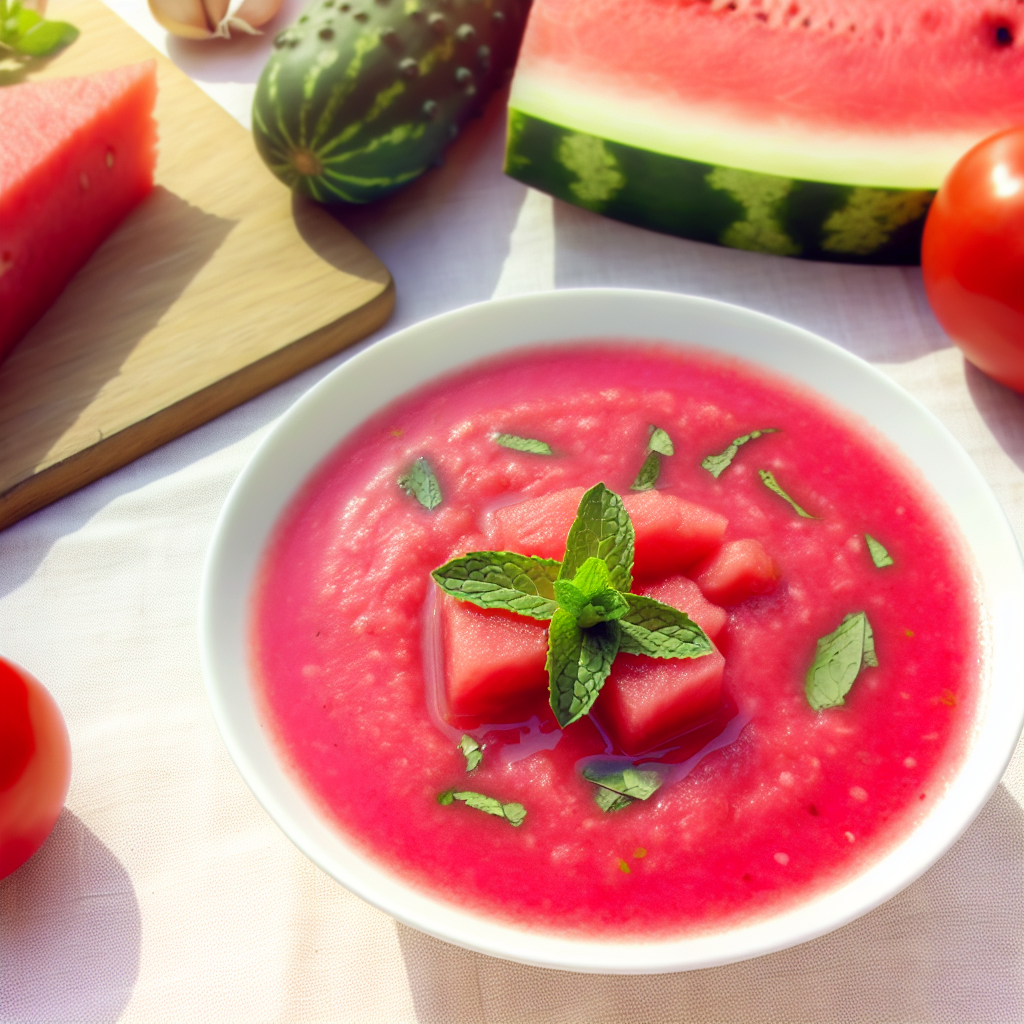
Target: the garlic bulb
(213, 19)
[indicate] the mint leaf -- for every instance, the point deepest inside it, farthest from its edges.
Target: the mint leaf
(522, 444)
(592, 577)
(578, 664)
(649, 473)
(45, 37)
(660, 442)
(838, 660)
(471, 751)
(588, 610)
(629, 782)
(421, 483)
(768, 479)
(602, 529)
(609, 800)
(660, 631)
(502, 579)
(716, 465)
(513, 813)
(879, 555)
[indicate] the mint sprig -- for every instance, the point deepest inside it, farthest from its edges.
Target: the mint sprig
(513, 813)
(658, 444)
(523, 444)
(716, 465)
(586, 596)
(838, 660)
(421, 483)
(879, 555)
(768, 479)
(26, 33)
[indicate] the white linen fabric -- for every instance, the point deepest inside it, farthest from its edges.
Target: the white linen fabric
(165, 892)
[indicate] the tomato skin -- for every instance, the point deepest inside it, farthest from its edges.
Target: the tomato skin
(972, 256)
(35, 765)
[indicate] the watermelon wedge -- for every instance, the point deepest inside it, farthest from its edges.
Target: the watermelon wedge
(76, 155)
(812, 128)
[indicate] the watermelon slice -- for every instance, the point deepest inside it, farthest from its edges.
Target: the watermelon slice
(740, 569)
(76, 155)
(814, 128)
(671, 534)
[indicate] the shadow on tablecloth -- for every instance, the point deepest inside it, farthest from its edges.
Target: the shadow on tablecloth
(947, 949)
(70, 932)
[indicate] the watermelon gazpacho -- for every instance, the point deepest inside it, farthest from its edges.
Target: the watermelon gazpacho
(685, 650)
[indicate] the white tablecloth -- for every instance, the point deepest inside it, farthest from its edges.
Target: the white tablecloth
(166, 893)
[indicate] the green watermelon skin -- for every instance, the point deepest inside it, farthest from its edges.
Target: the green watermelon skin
(736, 208)
(360, 98)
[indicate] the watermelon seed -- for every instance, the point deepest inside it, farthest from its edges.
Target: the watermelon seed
(110, 159)
(408, 68)
(1004, 37)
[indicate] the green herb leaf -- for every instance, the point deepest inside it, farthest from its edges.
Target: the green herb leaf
(608, 800)
(630, 782)
(605, 606)
(421, 483)
(660, 442)
(716, 465)
(660, 631)
(513, 813)
(578, 664)
(522, 444)
(649, 473)
(602, 529)
(502, 579)
(471, 751)
(45, 37)
(768, 479)
(879, 555)
(838, 661)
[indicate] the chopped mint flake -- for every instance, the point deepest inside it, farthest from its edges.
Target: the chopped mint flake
(838, 660)
(602, 529)
(716, 465)
(660, 631)
(879, 555)
(523, 444)
(768, 479)
(610, 801)
(523, 584)
(649, 473)
(421, 483)
(578, 664)
(471, 751)
(634, 783)
(660, 442)
(513, 813)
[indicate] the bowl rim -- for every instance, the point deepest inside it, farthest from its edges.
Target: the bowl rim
(317, 422)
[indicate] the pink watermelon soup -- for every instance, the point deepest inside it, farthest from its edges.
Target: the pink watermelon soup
(369, 674)
(77, 155)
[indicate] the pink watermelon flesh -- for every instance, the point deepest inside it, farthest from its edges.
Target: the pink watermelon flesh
(76, 155)
(671, 534)
(684, 594)
(740, 569)
(493, 661)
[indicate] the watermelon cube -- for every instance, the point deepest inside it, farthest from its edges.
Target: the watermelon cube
(684, 594)
(671, 534)
(493, 660)
(76, 155)
(740, 569)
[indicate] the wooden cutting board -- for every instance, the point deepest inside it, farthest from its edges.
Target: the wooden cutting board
(218, 286)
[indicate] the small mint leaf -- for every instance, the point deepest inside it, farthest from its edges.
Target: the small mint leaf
(471, 751)
(660, 631)
(602, 529)
(592, 577)
(513, 813)
(447, 797)
(838, 660)
(522, 444)
(502, 579)
(608, 800)
(716, 465)
(768, 479)
(421, 483)
(578, 664)
(604, 606)
(630, 782)
(660, 442)
(649, 473)
(879, 555)
(46, 37)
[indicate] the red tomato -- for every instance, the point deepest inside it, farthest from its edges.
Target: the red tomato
(35, 765)
(972, 256)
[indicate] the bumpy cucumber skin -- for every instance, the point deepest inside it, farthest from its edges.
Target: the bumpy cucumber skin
(361, 97)
(740, 209)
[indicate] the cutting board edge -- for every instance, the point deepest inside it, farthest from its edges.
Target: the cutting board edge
(87, 465)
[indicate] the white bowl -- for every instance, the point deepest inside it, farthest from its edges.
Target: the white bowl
(312, 428)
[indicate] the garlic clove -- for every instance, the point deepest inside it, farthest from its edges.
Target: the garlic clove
(211, 19)
(184, 18)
